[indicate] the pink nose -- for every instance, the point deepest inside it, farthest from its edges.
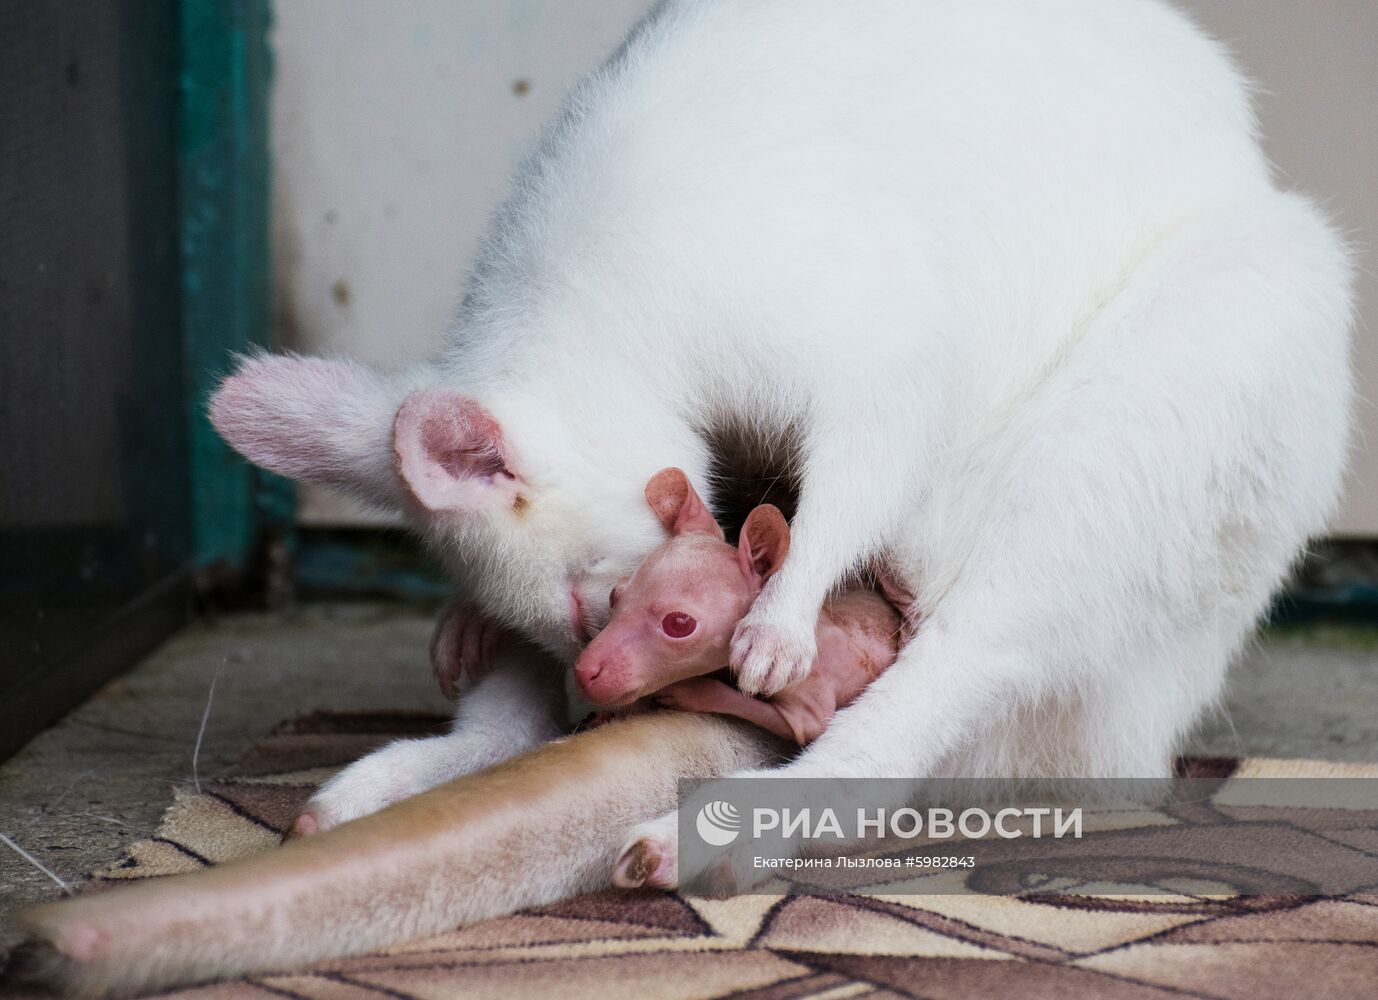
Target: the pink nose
(588, 670)
(597, 672)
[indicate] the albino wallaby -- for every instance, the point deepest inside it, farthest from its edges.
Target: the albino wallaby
(673, 618)
(535, 829)
(1012, 284)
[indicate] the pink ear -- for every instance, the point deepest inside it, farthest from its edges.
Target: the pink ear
(763, 544)
(450, 452)
(677, 506)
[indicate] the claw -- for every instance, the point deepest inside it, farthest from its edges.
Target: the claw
(462, 647)
(767, 659)
(303, 826)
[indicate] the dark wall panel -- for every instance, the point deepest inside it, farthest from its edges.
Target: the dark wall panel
(94, 526)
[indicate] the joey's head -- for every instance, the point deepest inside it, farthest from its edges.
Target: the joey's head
(534, 528)
(673, 617)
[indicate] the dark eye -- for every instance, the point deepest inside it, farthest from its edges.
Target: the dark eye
(677, 625)
(612, 597)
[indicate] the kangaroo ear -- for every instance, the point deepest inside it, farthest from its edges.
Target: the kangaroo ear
(763, 544)
(450, 453)
(314, 419)
(677, 506)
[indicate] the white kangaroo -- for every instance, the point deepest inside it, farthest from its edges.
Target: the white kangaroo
(1011, 281)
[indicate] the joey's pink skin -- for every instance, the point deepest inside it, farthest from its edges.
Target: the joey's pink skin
(673, 619)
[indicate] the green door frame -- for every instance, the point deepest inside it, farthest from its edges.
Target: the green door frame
(223, 175)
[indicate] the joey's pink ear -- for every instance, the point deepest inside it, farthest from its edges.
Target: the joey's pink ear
(677, 506)
(316, 419)
(763, 544)
(450, 453)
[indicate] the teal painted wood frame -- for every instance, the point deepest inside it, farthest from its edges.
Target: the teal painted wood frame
(223, 162)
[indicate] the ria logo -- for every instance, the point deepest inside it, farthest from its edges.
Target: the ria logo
(719, 823)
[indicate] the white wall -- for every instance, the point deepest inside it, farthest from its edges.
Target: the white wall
(395, 126)
(1316, 62)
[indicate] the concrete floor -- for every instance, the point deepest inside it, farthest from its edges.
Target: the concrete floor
(102, 777)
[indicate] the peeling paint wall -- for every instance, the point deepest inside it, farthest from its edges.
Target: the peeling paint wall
(395, 125)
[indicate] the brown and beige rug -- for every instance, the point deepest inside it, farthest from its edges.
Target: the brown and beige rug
(609, 946)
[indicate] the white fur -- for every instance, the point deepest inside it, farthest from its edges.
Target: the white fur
(513, 709)
(1017, 272)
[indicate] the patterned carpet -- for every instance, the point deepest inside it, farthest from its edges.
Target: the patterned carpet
(609, 946)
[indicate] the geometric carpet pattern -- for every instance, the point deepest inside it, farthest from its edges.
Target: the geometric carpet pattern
(630, 946)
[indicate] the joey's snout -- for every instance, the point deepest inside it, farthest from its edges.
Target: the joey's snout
(605, 672)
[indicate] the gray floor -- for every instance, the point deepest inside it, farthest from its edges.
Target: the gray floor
(103, 776)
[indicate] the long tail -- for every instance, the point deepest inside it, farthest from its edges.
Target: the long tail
(533, 830)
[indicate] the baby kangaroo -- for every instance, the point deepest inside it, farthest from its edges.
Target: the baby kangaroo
(673, 619)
